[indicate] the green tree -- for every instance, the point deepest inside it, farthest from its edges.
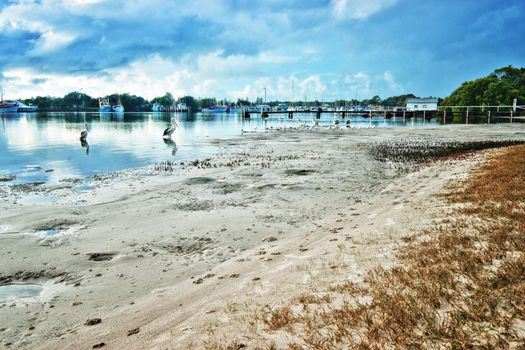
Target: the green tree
(190, 101)
(498, 88)
(133, 103)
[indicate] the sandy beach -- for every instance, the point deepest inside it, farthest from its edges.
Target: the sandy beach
(178, 256)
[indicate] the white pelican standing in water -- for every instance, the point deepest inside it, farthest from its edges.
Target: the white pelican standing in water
(167, 133)
(84, 133)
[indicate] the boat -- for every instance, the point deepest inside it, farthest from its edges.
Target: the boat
(157, 107)
(116, 105)
(8, 106)
(263, 108)
(103, 105)
(181, 107)
(12, 106)
(216, 109)
(22, 107)
(106, 105)
(118, 108)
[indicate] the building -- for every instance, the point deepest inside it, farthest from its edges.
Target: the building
(422, 104)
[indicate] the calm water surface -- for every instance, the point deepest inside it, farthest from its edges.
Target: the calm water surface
(46, 146)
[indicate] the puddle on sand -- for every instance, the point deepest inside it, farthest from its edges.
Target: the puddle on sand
(37, 199)
(47, 233)
(12, 292)
(83, 188)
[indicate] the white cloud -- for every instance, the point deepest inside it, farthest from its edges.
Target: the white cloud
(391, 82)
(50, 41)
(358, 84)
(358, 9)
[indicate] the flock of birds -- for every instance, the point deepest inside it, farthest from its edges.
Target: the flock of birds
(298, 124)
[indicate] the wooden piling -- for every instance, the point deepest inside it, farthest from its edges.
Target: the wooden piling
(467, 117)
(444, 117)
(488, 121)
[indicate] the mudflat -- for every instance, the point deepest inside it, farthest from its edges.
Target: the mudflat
(170, 260)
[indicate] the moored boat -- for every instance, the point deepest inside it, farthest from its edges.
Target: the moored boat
(216, 109)
(103, 105)
(22, 107)
(157, 107)
(117, 108)
(8, 106)
(106, 105)
(12, 106)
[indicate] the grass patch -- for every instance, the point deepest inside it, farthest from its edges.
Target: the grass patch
(463, 288)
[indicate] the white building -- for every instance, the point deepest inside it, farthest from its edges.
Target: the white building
(422, 104)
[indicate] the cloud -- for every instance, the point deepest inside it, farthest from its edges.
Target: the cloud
(391, 82)
(51, 41)
(358, 84)
(358, 9)
(235, 48)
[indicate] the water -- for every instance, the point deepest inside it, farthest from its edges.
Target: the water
(45, 147)
(12, 292)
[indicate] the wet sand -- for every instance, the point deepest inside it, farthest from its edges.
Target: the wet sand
(175, 259)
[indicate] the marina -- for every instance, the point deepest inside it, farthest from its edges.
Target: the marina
(446, 114)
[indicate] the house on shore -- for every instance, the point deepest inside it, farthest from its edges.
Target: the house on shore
(422, 104)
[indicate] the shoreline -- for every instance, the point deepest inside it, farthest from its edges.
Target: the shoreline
(194, 236)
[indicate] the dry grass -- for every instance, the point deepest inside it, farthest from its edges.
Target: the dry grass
(464, 288)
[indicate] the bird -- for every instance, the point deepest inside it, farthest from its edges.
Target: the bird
(169, 130)
(84, 133)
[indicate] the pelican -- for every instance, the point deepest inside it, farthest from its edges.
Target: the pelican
(84, 133)
(167, 133)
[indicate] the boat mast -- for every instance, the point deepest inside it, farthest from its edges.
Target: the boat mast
(292, 90)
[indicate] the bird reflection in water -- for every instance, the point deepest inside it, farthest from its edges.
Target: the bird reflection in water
(85, 144)
(172, 144)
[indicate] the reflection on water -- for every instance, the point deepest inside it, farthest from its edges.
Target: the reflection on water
(85, 144)
(46, 147)
(171, 144)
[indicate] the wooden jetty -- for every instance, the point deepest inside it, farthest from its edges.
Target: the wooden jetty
(445, 114)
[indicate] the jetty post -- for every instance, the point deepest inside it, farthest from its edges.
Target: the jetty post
(488, 120)
(444, 116)
(466, 122)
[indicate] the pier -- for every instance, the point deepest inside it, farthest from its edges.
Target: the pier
(446, 114)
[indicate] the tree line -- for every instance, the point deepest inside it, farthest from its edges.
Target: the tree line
(78, 101)
(500, 87)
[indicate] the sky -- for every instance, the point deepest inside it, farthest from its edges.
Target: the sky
(295, 49)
